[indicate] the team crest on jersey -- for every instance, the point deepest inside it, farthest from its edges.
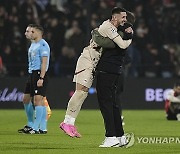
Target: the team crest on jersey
(113, 30)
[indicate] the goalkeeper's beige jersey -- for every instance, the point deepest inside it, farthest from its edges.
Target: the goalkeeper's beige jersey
(108, 30)
(91, 52)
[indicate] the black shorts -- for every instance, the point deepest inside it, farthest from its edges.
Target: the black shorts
(31, 84)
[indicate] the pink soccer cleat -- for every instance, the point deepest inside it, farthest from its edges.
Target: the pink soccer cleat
(75, 132)
(69, 130)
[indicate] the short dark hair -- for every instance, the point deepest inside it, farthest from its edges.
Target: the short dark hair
(39, 27)
(117, 10)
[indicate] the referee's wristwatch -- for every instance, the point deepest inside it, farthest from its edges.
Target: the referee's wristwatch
(41, 78)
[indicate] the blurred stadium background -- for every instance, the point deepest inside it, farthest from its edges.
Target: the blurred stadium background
(154, 53)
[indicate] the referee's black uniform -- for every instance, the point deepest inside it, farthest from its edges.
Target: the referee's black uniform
(109, 86)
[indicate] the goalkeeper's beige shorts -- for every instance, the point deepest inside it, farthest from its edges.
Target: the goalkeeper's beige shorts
(84, 72)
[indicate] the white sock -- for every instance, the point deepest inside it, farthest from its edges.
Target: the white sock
(69, 120)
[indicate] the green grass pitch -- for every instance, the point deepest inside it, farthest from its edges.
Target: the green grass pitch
(143, 123)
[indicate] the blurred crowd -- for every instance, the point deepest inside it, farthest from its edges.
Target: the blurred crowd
(155, 51)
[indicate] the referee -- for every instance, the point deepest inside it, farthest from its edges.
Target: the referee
(109, 86)
(38, 60)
